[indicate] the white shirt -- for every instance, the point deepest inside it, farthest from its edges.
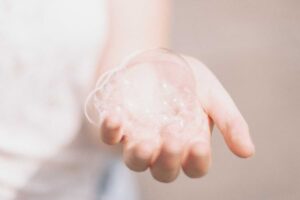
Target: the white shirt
(49, 50)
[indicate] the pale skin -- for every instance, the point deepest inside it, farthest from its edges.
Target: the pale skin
(142, 24)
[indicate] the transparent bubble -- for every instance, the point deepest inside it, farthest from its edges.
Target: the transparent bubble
(152, 90)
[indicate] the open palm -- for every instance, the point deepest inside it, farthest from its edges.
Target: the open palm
(165, 154)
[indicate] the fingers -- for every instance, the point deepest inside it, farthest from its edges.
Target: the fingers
(221, 108)
(137, 156)
(166, 166)
(111, 130)
(198, 159)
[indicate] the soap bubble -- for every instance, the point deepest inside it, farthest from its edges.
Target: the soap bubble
(152, 89)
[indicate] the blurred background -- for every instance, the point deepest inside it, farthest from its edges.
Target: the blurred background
(253, 46)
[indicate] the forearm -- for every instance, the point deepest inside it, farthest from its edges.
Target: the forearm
(134, 25)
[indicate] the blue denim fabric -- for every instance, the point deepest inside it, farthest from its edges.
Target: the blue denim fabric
(117, 183)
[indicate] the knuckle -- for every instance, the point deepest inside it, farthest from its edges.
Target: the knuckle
(134, 161)
(133, 165)
(109, 139)
(142, 152)
(164, 178)
(172, 148)
(200, 150)
(196, 173)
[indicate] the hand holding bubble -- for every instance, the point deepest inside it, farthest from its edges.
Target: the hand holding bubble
(151, 104)
(152, 91)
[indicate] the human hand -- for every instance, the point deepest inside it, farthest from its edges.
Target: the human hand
(165, 154)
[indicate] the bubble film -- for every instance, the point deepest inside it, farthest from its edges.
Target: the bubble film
(150, 91)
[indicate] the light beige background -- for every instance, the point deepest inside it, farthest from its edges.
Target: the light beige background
(253, 46)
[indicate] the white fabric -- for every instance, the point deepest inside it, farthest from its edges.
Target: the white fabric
(49, 50)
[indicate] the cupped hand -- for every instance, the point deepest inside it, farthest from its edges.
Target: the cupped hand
(166, 154)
